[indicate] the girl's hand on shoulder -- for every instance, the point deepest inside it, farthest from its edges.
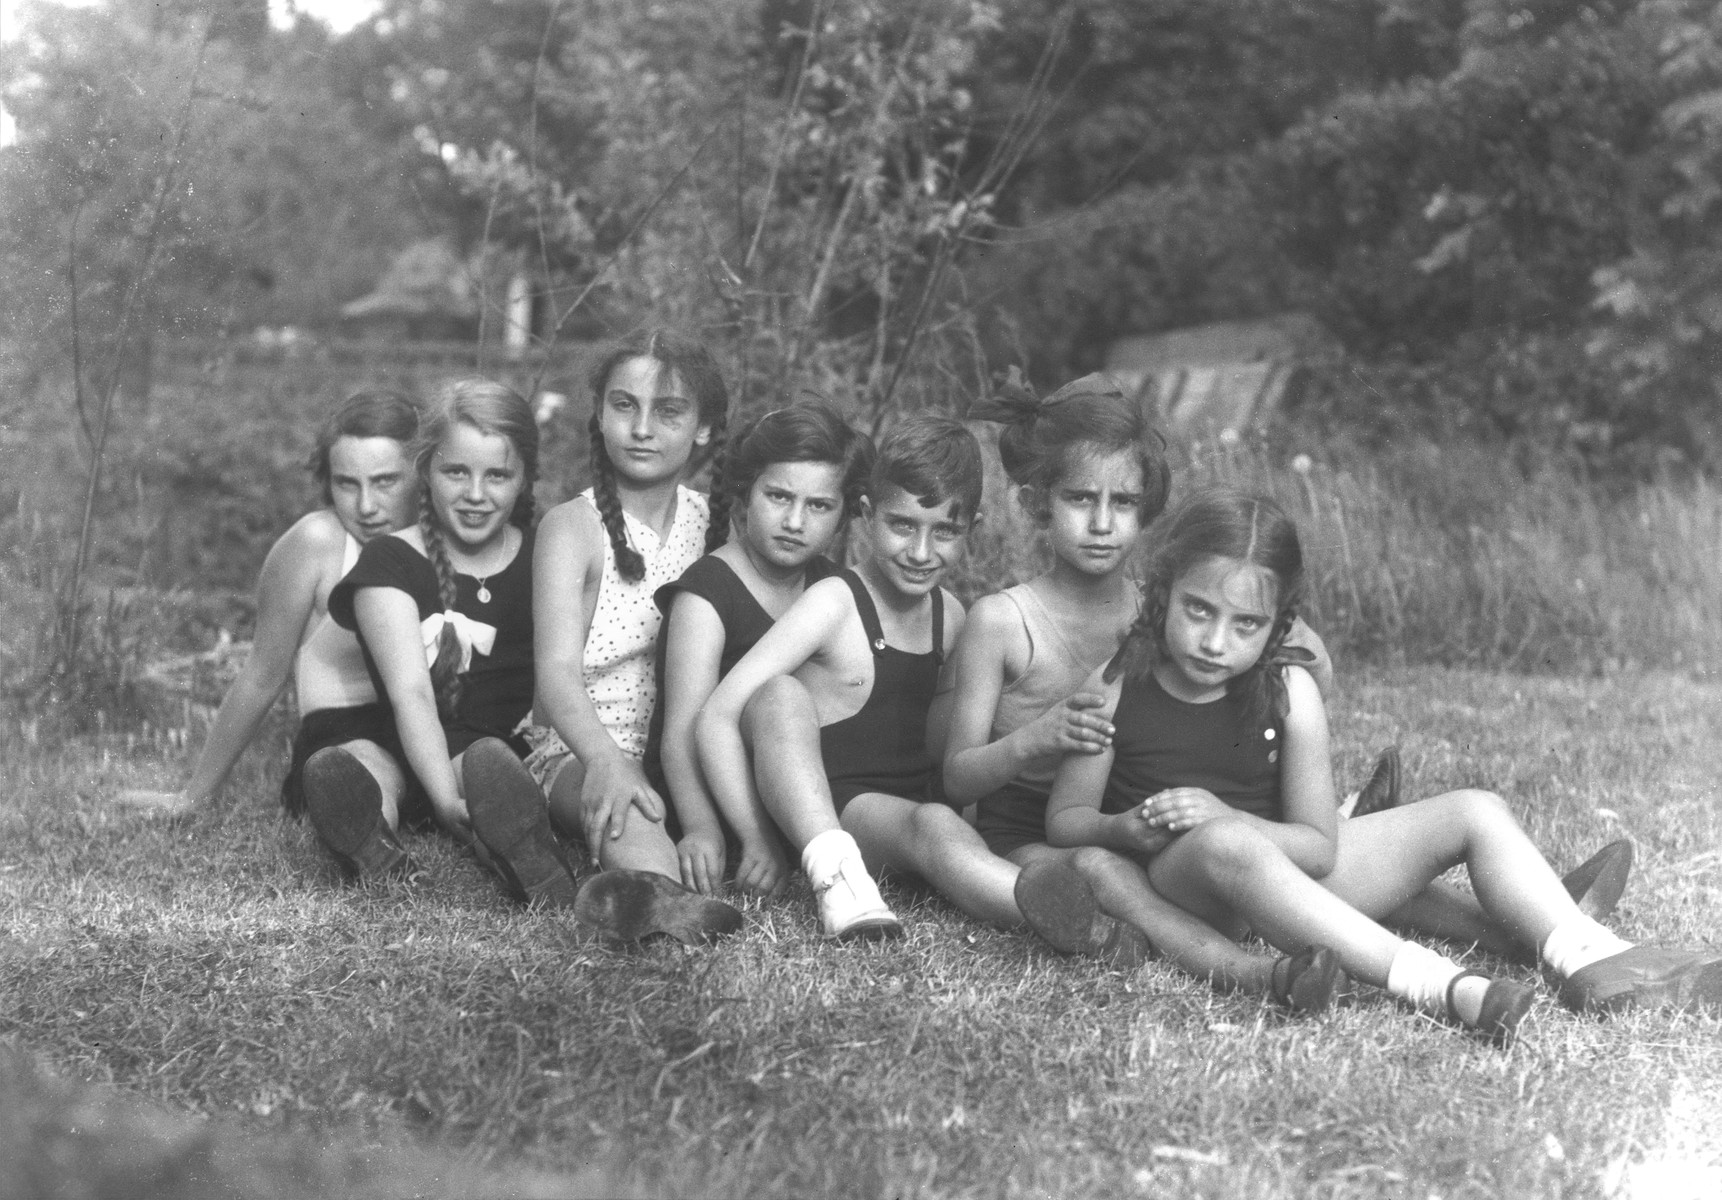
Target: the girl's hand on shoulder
(700, 856)
(1179, 810)
(1071, 727)
(613, 785)
(763, 870)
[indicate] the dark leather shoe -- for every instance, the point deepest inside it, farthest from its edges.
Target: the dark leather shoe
(1306, 982)
(1646, 977)
(345, 806)
(1596, 884)
(1505, 1004)
(512, 821)
(1382, 790)
(631, 905)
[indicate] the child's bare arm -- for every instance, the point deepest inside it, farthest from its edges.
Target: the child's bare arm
(810, 627)
(389, 621)
(693, 650)
(939, 714)
(286, 600)
(566, 568)
(1073, 816)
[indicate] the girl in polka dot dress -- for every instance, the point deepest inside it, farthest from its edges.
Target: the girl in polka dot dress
(658, 402)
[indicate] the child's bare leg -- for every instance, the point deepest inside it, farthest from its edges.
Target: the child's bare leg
(1224, 870)
(1445, 911)
(934, 842)
(644, 844)
(1122, 889)
(781, 728)
(1386, 859)
(391, 780)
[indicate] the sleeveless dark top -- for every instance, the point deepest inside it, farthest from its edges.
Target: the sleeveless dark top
(1163, 742)
(745, 621)
(883, 747)
(496, 690)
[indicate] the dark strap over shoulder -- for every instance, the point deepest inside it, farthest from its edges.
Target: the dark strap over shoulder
(870, 616)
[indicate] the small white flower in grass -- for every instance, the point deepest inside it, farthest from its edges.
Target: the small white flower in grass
(1608, 814)
(1553, 1148)
(1302, 464)
(1230, 437)
(1186, 1154)
(957, 1120)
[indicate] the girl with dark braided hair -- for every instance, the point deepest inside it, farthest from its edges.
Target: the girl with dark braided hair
(1218, 780)
(444, 615)
(1092, 475)
(659, 403)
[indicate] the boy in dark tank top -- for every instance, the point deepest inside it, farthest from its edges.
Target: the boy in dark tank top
(832, 707)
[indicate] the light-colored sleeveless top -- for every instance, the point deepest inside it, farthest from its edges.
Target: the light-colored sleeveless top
(329, 670)
(624, 631)
(1055, 669)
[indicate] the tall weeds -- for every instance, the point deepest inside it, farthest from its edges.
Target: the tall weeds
(1455, 554)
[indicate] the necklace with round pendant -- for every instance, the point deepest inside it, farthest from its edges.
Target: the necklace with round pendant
(483, 591)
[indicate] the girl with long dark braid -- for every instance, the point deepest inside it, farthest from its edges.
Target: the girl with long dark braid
(659, 403)
(1218, 779)
(444, 614)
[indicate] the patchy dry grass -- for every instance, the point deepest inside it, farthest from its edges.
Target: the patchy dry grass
(415, 1041)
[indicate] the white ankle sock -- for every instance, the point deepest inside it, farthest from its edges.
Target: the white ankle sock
(1420, 977)
(821, 857)
(1577, 942)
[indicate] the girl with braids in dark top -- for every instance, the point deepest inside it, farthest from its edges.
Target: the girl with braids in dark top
(658, 404)
(444, 615)
(1218, 779)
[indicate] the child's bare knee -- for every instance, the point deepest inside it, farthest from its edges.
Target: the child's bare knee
(1478, 807)
(778, 699)
(1228, 846)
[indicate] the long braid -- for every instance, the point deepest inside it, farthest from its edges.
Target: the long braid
(445, 671)
(1139, 649)
(629, 562)
(1263, 686)
(717, 532)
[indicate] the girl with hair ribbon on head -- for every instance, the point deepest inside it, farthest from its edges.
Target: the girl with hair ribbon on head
(443, 612)
(659, 401)
(792, 479)
(1217, 779)
(1092, 475)
(361, 464)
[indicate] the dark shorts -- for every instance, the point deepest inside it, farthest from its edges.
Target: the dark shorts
(335, 726)
(1011, 818)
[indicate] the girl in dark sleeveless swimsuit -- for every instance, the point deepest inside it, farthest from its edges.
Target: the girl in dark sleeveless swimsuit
(792, 479)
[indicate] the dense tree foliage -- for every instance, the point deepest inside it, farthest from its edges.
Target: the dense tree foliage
(1510, 208)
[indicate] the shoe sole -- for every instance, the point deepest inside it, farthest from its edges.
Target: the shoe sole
(345, 807)
(1694, 988)
(1058, 904)
(868, 929)
(1597, 884)
(1312, 984)
(511, 819)
(1382, 790)
(628, 906)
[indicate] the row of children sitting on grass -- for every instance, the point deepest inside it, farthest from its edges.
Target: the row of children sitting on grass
(677, 683)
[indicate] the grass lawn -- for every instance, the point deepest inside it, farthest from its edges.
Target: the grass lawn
(438, 1041)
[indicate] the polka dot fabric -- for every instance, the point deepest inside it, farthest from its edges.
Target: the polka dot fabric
(624, 631)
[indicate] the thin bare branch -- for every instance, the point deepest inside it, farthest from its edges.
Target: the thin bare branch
(71, 604)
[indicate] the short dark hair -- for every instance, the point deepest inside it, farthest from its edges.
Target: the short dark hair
(364, 414)
(809, 431)
(934, 459)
